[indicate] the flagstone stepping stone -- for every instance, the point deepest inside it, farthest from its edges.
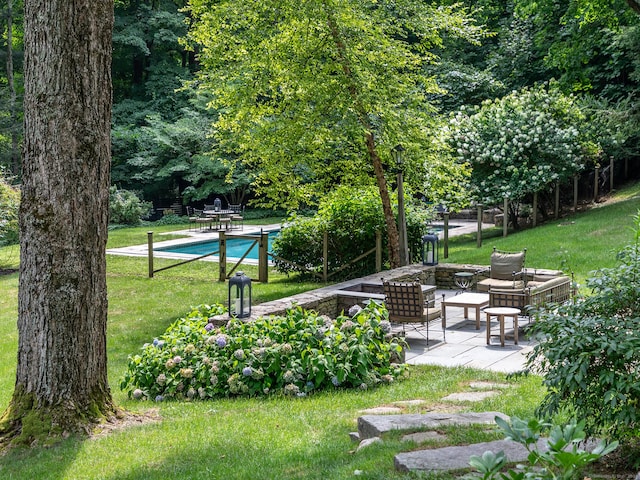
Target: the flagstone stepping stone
(457, 457)
(470, 396)
(376, 425)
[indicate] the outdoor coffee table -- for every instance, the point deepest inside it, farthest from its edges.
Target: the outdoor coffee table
(465, 300)
(500, 313)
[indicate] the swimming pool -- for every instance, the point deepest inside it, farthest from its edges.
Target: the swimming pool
(236, 247)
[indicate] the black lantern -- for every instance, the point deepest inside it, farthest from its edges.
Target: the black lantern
(397, 153)
(217, 204)
(430, 249)
(240, 296)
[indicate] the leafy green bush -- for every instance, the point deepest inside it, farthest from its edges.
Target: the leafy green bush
(9, 204)
(561, 459)
(588, 350)
(351, 217)
(294, 354)
(125, 207)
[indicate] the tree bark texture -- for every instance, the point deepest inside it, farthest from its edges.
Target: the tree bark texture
(363, 118)
(62, 300)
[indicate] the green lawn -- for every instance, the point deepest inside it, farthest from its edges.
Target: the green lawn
(278, 437)
(578, 243)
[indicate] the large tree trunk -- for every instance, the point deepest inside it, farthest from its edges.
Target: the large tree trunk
(61, 377)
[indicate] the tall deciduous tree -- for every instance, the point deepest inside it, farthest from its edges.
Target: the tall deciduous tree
(315, 93)
(61, 380)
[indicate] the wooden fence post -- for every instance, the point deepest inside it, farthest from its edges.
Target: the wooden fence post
(534, 210)
(575, 194)
(505, 217)
(479, 236)
(378, 251)
(610, 174)
(263, 263)
(556, 208)
(325, 255)
(222, 256)
(596, 176)
(445, 217)
(150, 252)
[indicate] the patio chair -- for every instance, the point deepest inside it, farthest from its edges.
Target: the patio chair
(237, 216)
(406, 305)
(193, 218)
(506, 271)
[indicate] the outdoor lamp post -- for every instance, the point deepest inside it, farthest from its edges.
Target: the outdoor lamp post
(397, 154)
(430, 249)
(239, 296)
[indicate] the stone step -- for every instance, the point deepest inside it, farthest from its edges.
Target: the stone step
(370, 426)
(457, 457)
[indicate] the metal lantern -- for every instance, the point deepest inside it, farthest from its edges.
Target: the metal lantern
(217, 204)
(430, 249)
(240, 296)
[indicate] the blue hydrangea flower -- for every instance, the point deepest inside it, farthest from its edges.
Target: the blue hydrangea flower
(335, 381)
(209, 326)
(246, 371)
(155, 342)
(159, 398)
(221, 341)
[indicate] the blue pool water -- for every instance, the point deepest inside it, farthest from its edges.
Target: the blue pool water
(236, 247)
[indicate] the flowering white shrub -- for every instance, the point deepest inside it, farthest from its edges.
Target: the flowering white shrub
(521, 143)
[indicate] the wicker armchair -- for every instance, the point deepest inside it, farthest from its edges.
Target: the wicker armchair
(537, 294)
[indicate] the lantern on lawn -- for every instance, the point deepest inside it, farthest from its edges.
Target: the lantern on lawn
(240, 296)
(430, 249)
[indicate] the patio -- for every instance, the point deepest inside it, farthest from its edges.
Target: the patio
(465, 346)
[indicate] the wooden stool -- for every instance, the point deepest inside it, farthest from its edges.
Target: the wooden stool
(500, 313)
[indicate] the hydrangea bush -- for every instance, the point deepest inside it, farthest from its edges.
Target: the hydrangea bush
(294, 354)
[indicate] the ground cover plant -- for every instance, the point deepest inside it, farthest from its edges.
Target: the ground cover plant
(293, 354)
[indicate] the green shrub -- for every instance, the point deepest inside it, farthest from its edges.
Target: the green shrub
(126, 208)
(294, 354)
(9, 204)
(562, 458)
(351, 217)
(588, 350)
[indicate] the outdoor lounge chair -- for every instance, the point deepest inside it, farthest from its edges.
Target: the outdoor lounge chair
(406, 305)
(506, 271)
(540, 291)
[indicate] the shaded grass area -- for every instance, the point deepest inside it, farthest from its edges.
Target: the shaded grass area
(278, 437)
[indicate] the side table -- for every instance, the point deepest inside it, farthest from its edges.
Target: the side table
(500, 313)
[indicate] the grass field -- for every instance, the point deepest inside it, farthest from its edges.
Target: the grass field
(276, 437)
